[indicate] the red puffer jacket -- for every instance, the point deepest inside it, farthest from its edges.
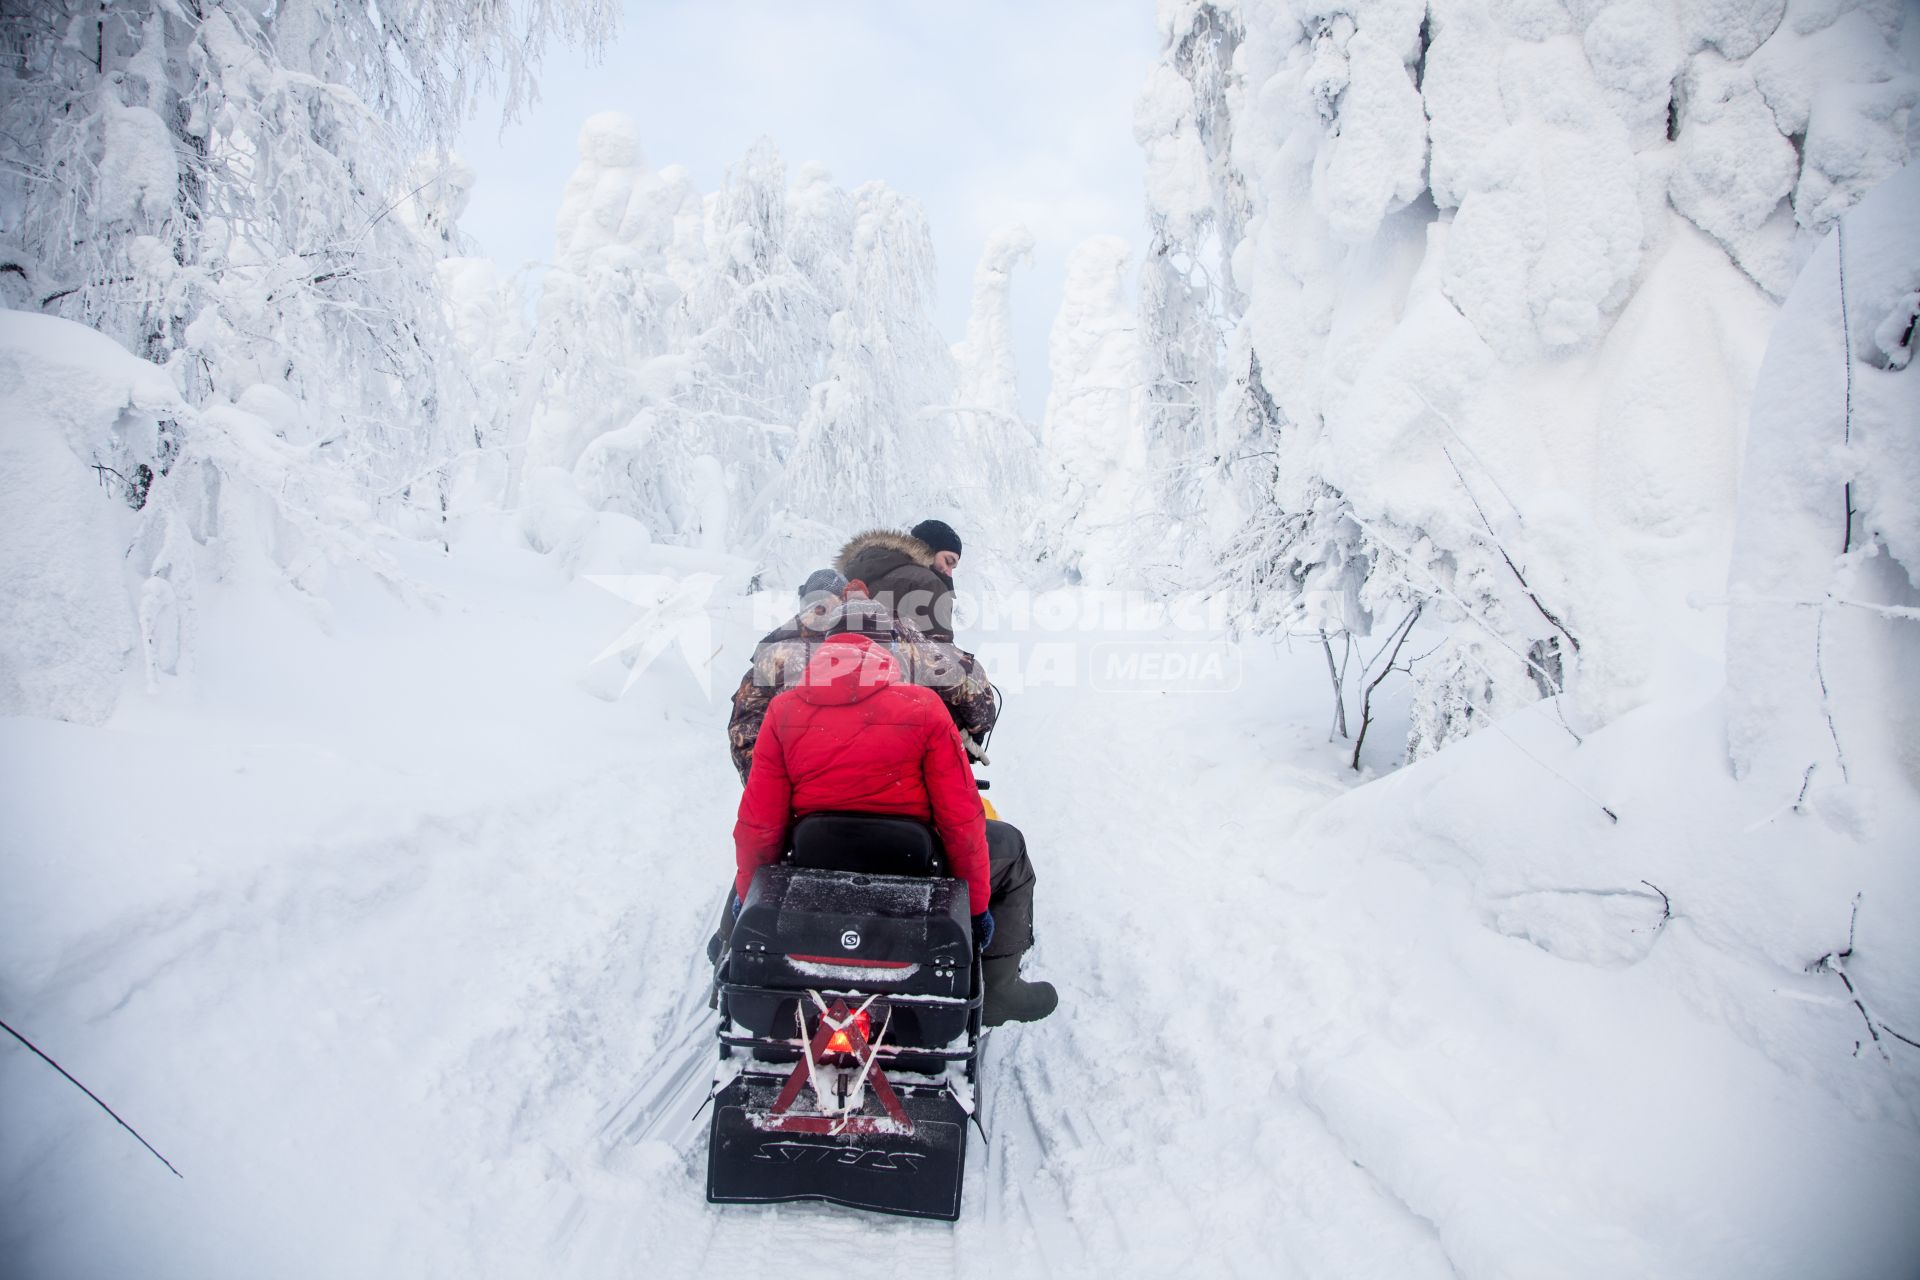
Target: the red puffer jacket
(850, 736)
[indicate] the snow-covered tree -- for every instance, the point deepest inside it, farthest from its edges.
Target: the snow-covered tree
(1095, 451)
(868, 443)
(986, 380)
(1197, 210)
(756, 371)
(607, 307)
(215, 186)
(1487, 284)
(233, 191)
(995, 480)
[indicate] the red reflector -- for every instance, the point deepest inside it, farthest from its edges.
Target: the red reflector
(854, 962)
(841, 1042)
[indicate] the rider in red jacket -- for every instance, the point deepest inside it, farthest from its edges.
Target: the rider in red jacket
(852, 736)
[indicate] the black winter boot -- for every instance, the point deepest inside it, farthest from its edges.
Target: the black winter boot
(1011, 999)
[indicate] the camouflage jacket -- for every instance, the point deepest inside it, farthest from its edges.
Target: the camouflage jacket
(781, 657)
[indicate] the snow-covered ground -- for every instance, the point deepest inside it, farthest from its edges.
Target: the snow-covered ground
(385, 930)
(1569, 345)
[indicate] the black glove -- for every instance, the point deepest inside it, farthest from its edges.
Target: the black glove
(983, 929)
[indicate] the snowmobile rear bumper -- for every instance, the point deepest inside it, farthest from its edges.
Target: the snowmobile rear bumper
(757, 1156)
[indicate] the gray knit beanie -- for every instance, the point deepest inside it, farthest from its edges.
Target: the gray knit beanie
(822, 581)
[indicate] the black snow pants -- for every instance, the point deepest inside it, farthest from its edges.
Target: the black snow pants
(1012, 875)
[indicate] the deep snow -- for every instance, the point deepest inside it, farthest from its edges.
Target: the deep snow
(386, 931)
(343, 855)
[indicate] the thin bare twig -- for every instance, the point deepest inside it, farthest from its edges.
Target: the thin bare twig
(1846, 342)
(1518, 576)
(39, 1053)
(1403, 630)
(1901, 612)
(1473, 453)
(1826, 700)
(1666, 905)
(1515, 743)
(1835, 962)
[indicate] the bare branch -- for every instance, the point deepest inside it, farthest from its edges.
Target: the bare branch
(1519, 577)
(1666, 905)
(1403, 630)
(1835, 962)
(1846, 344)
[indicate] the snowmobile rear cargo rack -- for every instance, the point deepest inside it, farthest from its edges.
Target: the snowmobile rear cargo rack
(849, 1044)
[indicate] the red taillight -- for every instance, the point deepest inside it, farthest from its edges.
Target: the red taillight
(841, 1042)
(853, 962)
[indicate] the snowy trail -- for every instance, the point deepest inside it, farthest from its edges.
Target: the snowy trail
(1142, 1133)
(480, 1031)
(1131, 1134)
(428, 999)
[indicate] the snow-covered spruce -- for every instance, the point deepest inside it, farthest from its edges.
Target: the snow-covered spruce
(237, 193)
(755, 369)
(1492, 278)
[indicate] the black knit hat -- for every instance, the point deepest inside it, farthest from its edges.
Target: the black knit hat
(937, 534)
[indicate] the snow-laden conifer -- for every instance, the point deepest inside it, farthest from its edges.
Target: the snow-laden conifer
(1454, 306)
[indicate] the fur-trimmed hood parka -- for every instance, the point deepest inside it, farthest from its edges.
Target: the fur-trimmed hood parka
(898, 570)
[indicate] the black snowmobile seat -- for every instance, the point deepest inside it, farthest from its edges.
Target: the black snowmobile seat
(868, 844)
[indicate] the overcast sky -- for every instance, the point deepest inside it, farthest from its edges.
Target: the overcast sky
(990, 112)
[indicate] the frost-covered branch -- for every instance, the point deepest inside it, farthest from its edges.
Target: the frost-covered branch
(1337, 675)
(1904, 613)
(1507, 559)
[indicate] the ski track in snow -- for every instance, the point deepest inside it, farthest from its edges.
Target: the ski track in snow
(501, 1048)
(454, 1023)
(1127, 1135)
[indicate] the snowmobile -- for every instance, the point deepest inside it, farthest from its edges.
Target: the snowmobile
(850, 1001)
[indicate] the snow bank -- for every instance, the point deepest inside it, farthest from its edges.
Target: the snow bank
(296, 925)
(1582, 1048)
(1679, 994)
(1824, 625)
(124, 502)
(68, 396)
